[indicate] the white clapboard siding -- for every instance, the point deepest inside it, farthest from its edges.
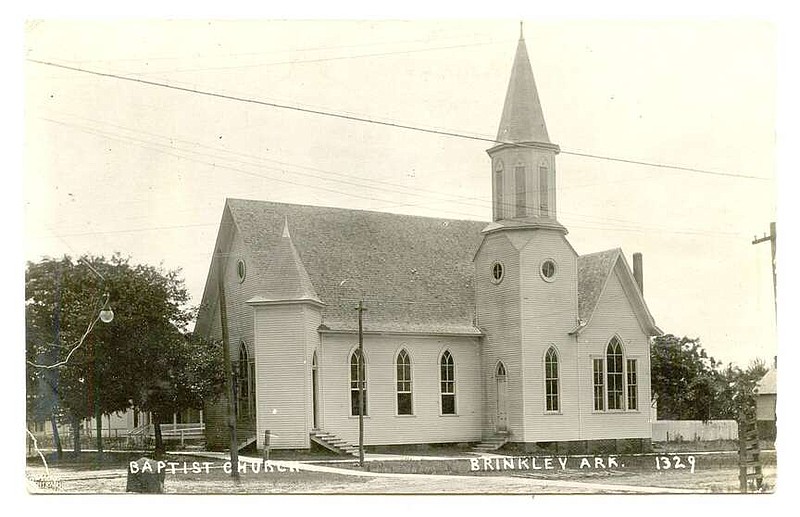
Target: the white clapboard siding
(614, 315)
(283, 372)
(549, 313)
(498, 314)
(382, 425)
(240, 326)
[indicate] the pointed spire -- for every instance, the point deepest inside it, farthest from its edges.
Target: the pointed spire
(522, 120)
(286, 277)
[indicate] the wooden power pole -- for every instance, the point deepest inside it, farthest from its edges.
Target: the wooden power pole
(226, 350)
(361, 362)
(772, 238)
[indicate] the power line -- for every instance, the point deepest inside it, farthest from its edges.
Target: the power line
(148, 144)
(354, 118)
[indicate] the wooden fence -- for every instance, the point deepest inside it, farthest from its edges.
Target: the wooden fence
(694, 430)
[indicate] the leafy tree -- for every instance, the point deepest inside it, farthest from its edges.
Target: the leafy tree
(104, 368)
(737, 387)
(192, 371)
(684, 379)
(690, 385)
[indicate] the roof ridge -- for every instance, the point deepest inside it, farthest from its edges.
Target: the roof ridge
(618, 249)
(380, 212)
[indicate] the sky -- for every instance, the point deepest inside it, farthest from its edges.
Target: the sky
(113, 165)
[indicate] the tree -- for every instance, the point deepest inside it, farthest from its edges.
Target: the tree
(737, 386)
(104, 368)
(684, 379)
(191, 373)
(690, 385)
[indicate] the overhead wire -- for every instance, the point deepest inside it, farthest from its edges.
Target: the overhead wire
(628, 226)
(334, 114)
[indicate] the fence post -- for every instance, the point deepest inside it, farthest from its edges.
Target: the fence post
(266, 445)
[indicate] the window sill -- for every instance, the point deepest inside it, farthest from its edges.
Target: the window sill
(448, 415)
(355, 417)
(406, 416)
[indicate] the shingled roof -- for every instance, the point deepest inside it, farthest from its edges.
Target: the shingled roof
(522, 119)
(593, 269)
(414, 273)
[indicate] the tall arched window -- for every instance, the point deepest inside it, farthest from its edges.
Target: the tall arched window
(355, 364)
(498, 191)
(551, 380)
(520, 191)
(544, 190)
(244, 382)
(615, 375)
(404, 397)
(447, 378)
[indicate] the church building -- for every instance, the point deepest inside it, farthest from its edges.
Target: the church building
(494, 332)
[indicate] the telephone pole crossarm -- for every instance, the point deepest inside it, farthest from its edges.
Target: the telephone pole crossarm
(772, 238)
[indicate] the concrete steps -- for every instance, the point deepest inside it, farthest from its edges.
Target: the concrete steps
(491, 443)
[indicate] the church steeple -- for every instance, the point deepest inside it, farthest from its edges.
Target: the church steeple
(523, 161)
(522, 120)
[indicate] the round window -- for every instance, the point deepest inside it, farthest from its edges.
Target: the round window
(241, 270)
(497, 272)
(548, 270)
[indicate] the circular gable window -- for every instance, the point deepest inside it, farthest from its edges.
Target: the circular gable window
(548, 270)
(497, 272)
(241, 270)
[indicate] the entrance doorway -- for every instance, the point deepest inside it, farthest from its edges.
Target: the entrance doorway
(314, 388)
(502, 397)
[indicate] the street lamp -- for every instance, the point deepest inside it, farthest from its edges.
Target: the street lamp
(106, 314)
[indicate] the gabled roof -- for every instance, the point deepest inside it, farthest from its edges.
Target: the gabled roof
(523, 119)
(768, 385)
(414, 273)
(594, 271)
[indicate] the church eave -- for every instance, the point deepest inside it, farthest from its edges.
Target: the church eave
(475, 332)
(260, 301)
(547, 146)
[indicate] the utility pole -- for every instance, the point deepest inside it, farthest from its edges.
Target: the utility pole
(361, 361)
(772, 237)
(226, 350)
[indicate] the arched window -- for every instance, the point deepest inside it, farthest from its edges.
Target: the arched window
(447, 379)
(501, 370)
(244, 383)
(498, 191)
(615, 375)
(544, 190)
(551, 380)
(355, 364)
(521, 192)
(404, 398)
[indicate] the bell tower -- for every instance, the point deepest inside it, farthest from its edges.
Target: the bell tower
(523, 161)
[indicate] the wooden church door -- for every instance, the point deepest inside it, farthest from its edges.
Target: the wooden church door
(502, 396)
